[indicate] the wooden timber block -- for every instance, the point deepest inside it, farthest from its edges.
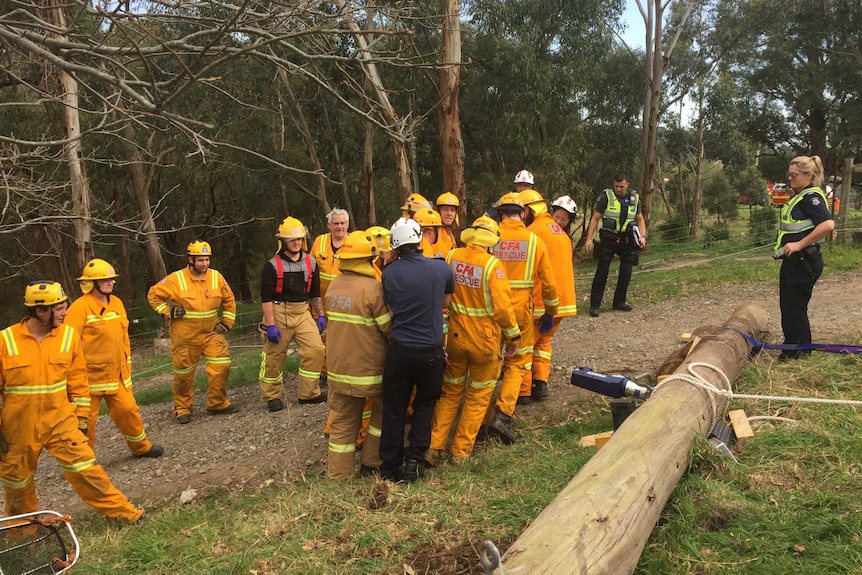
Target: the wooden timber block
(603, 438)
(593, 440)
(692, 344)
(683, 338)
(741, 427)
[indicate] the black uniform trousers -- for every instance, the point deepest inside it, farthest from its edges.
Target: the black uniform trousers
(628, 253)
(408, 367)
(795, 285)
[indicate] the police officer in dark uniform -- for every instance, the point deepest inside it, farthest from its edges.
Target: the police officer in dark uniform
(805, 222)
(623, 233)
(416, 289)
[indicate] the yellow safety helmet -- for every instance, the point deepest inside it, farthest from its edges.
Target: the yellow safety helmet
(510, 199)
(448, 199)
(357, 245)
(534, 201)
(414, 203)
(380, 235)
(291, 229)
(44, 292)
(95, 269)
(428, 217)
(199, 248)
(484, 232)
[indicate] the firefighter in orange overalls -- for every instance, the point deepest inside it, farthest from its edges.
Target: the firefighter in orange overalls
(46, 405)
(447, 207)
(526, 262)
(289, 283)
(100, 318)
(358, 326)
(480, 320)
(191, 299)
(559, 246)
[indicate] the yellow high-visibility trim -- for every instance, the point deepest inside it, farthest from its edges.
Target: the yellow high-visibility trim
(9, 339)
(309, 374)
(356, 379)
(350, 318)
(229, 315)
(181, 279)
(35, 389)
(374, 431)
(140, 437)
(217, 360)
(104, 387)
(342, 447)
(78, 467)
(483, 384)
(454, 380)
(201, 314)
(16, 484)
(184, 370)
(68, 334)
(542, 355)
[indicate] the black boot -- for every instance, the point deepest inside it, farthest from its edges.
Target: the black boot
(540, 390)
(501, 426)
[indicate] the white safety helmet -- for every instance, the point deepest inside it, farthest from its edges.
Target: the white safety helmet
(405, 231)
(567, 203)
(524, 177)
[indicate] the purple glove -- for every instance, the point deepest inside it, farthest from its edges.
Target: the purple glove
(321, 323)
(273, 334)
(546, 322)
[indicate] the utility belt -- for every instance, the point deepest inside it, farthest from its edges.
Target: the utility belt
(412, 348)
(282, 302)
(610, 237)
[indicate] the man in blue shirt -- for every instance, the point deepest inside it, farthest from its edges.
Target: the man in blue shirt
(417, 290)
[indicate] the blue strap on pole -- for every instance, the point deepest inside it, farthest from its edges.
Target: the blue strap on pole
(827, 347)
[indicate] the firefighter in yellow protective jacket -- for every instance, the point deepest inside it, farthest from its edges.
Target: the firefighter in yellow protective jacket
(526, 261)
(191, 299)
(100, 318)
(480, 319)
(431, 223)
(447, 207)
(45, 405)
(559, 246)
(358, 327)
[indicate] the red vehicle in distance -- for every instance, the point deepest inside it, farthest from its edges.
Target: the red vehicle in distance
(779, 193)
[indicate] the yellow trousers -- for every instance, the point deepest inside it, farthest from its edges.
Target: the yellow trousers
(296, 324)
(186, 355)
(124, 411)
(542, 354)
(347, 418)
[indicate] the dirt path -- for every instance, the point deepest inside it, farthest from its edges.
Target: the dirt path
(250, 447)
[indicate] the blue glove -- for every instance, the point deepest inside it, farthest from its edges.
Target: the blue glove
(546, 322)
(321, 323)
(273, 334)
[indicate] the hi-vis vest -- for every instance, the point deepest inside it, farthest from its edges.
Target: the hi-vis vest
(788, 225)
(611, 217)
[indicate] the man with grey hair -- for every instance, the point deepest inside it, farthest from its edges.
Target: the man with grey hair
(324, 250)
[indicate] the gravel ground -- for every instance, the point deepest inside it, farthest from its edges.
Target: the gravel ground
(254, 446)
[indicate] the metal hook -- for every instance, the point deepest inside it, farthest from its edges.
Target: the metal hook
(489, 557)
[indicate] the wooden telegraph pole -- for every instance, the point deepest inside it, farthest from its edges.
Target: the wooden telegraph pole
(600, 522)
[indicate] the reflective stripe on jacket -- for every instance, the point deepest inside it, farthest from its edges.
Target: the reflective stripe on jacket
(201, 299)
(104, 330)
(482, 302)
(39, 379)
(327, 263)
(559, 247)
(357, 335)
(525, 259)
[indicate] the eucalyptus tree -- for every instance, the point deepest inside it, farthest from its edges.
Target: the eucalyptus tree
(797, 65)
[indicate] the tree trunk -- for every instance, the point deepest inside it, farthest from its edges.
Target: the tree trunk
(122, 266)
(697, 200)
(73, 151)
(368, 172)
(451, 141)
(140, 187)
(298, 117)
(653, 74)
(400, 132)
(342, 176)
(602, 519)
